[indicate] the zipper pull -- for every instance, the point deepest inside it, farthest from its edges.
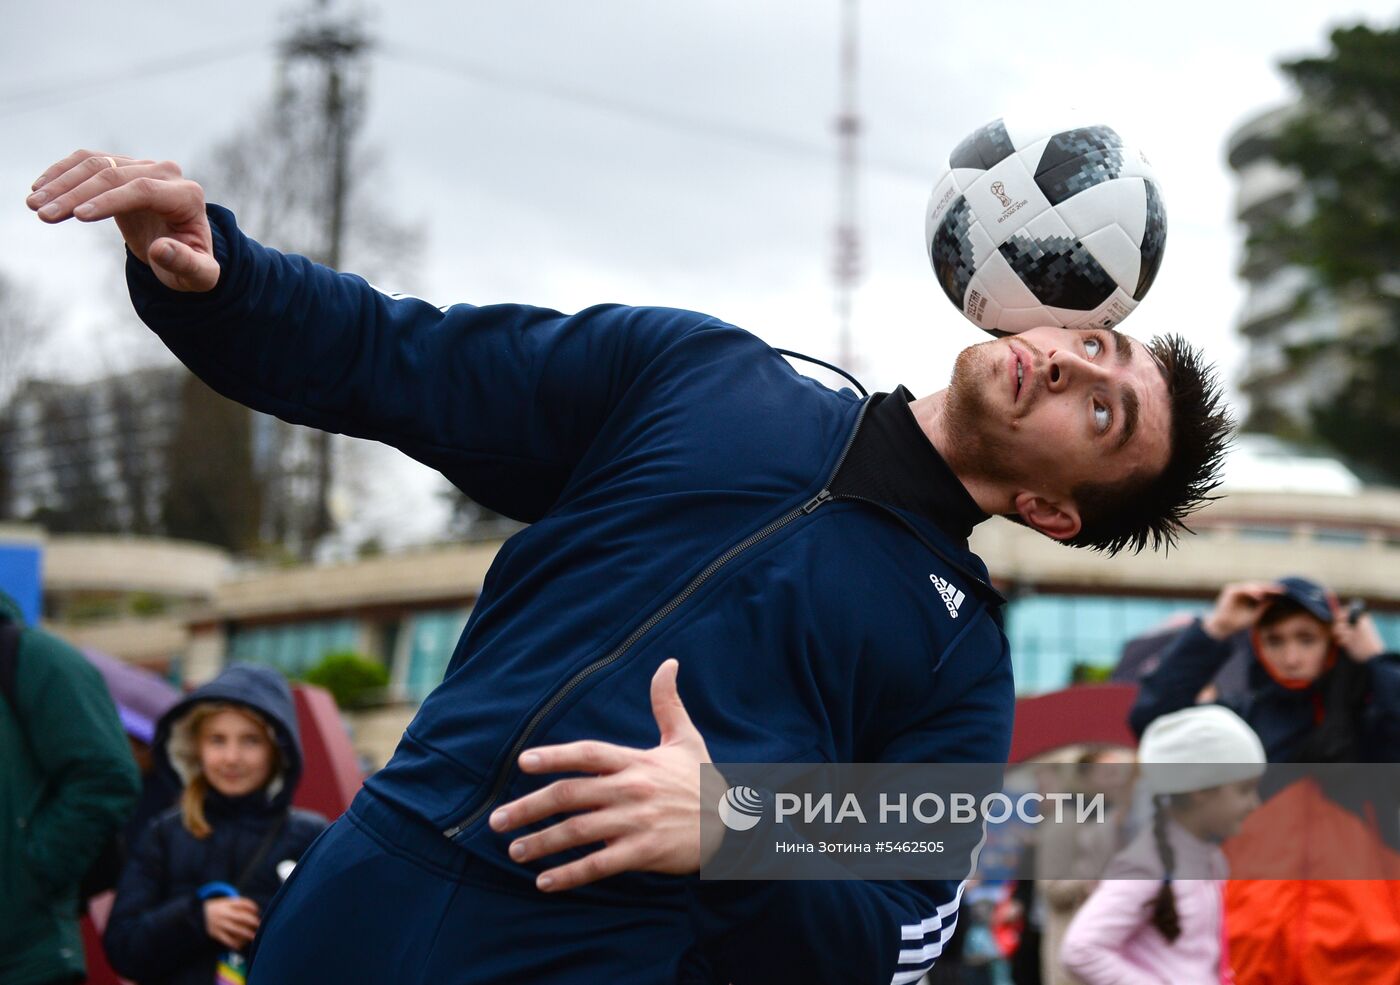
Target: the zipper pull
(816, 501)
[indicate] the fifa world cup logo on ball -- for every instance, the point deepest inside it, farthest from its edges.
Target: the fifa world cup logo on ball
(999, 190)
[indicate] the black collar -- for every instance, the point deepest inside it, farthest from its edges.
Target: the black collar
(893, 462)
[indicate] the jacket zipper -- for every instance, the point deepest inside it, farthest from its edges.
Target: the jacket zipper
(820, 499)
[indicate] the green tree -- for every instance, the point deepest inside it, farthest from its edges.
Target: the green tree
(353, 680)
(1344, 141)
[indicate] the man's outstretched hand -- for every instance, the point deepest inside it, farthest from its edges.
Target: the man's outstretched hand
(160, 213)
(643, 803)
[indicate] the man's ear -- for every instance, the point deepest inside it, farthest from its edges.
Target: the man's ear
(1057, 519)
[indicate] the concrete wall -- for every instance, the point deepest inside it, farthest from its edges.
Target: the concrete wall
(414, 577)
(133, 564)
(1221, 552)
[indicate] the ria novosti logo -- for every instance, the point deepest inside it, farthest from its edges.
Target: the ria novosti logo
(740, 808)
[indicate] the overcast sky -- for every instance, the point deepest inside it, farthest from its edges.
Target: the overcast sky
(563, 153)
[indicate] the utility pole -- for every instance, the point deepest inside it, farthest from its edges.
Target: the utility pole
(846, 268)
(335, 49)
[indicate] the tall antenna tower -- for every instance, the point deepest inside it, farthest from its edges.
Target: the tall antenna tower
(846, 266)
(335, 48)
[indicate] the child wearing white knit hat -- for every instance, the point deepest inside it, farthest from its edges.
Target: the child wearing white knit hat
(1157, 916)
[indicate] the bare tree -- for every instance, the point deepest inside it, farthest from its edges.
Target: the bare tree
(299, 177)
(21, 333)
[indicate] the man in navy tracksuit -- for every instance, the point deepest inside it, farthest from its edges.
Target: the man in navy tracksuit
(801, 553)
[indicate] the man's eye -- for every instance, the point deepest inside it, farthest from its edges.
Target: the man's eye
(1093, 346)
(1103, 417)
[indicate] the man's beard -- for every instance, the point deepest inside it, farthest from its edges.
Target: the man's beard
(979, 444)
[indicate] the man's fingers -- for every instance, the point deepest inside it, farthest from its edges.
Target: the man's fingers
(584, 756)
(103, 168)
(581, 829)
(70, 162)
(599, 865)
(559, 797)
(110, 191)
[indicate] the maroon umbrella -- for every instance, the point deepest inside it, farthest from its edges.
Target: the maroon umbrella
(141, 696)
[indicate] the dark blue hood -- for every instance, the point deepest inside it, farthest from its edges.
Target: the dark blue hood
(260, 688)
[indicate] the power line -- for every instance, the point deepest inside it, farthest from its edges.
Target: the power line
(52, 94)
(641, 112)
(48, 95)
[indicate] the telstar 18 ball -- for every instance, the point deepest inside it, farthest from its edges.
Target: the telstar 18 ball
(1049, 227)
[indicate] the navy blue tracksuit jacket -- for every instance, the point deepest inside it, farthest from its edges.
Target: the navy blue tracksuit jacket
(673, 469)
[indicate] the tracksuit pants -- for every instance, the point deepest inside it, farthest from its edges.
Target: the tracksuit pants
(382, 896)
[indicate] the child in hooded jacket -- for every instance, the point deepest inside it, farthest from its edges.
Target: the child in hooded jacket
(189, 901)
(1322, 687)
(1157, 915)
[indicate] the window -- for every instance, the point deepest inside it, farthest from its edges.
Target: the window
(1049, 634)
(429, 639)
(1341, 536)
(293, 648)
(1388, 624)
(1265, 533)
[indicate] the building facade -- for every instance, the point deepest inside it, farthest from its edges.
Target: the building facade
(100, 457)
(188, 610)
(1283, 311)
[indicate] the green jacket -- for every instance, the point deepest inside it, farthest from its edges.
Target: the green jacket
(67, 782)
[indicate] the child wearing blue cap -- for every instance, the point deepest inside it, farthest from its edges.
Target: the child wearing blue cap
(1322, 688)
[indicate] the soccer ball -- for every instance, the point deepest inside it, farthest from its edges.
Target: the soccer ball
(1050, 227)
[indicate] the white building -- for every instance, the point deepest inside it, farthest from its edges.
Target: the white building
(1281, 309)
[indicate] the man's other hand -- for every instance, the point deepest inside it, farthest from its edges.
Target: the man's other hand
(644, 804)
(159, 212)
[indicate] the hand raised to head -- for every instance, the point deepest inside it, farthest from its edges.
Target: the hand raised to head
(1238, 605)
(159, 212)
(1360, 640)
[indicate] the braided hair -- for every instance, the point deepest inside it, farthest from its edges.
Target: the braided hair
(1164, 916)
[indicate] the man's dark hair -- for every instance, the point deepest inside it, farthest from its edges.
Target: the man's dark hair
(1133, 512)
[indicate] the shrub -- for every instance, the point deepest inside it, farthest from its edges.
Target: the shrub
(352, 679)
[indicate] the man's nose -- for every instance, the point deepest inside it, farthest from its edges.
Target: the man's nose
(1067, 368)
